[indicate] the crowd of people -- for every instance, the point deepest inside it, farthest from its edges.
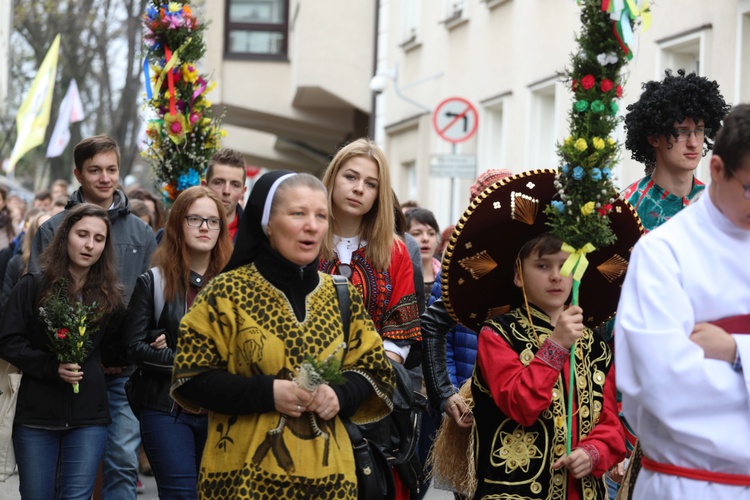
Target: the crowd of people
(212, 337)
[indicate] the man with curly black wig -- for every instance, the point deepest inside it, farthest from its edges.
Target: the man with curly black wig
(669, 129)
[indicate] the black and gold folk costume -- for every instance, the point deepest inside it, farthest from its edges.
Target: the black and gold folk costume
(255, 323)
(520, 393)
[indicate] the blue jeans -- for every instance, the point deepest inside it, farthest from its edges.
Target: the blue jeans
(120, 466)
(58, 463)
(174, 445)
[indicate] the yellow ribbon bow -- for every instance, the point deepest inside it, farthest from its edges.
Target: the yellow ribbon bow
(576, 261)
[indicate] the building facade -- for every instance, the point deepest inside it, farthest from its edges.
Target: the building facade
(299, 78)
(292, 76)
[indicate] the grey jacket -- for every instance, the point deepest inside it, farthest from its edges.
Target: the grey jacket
(133, 240)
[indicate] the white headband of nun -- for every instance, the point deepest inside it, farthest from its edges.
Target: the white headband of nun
(269, 201)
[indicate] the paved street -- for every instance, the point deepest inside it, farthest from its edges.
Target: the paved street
(9, 490)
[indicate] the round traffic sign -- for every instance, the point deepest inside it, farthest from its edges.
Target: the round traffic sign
(455, 119)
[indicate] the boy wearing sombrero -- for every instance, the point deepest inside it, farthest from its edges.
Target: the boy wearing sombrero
(513, 293)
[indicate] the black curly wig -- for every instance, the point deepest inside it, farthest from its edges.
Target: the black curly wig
(672, 100)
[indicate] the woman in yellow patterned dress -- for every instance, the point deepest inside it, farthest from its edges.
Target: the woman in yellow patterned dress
(245, 338)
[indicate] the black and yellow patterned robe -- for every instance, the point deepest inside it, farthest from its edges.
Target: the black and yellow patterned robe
(242, 324)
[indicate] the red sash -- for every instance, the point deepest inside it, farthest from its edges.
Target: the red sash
(734, 324)
(699, 475)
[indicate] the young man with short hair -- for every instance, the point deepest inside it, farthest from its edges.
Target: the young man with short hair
(42, 199)
(226, 177)
(680, 343)
(669, 129)
(97, 168)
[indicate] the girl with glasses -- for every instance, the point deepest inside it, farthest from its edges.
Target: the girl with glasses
(194, 249)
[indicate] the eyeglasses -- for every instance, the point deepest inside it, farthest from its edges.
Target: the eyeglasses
(345, 270)
(745, 187)
(683, 134)
(197, 221)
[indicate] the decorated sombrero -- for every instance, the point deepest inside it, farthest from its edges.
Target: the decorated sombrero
(478, 265)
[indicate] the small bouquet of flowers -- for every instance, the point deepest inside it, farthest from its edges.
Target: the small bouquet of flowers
(68, 326)
(313, 373)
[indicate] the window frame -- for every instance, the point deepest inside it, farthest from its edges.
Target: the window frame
(283, 28)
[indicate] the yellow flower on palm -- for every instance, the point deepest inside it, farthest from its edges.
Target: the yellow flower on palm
(581, 144)
(610, 141)
(588, 208)
(569, 140)
(598, 143)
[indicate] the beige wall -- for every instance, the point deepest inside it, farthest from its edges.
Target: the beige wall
(295, 113)
(504, 60)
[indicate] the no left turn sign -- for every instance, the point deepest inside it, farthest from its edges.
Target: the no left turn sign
(455, 119)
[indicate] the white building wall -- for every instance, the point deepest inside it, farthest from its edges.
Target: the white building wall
(503, 56)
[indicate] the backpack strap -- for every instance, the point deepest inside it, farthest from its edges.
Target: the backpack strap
(345, 302)
(158, 293)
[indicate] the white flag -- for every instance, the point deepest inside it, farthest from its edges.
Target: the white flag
(71, 111)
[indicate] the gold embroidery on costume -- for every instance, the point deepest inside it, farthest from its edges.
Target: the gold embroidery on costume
(478, 265)
(497, 311)
(526, 357)
(517, 450)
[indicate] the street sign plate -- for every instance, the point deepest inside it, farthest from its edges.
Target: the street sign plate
(461, 166)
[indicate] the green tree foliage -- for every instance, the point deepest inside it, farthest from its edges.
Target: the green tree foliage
(101, 49)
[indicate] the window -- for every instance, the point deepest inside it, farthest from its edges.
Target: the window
(688, 51)
(410, 14)
(542, 125)
(257, 29)
(492, 133)
(455, 13)
(684, 51)
(410, 173)
(743, 49)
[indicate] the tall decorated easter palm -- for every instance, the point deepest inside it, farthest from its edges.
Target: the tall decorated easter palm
(580, 217)
(184, 132)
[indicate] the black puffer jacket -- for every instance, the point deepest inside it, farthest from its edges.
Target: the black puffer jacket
(44, 399)
(153, 376)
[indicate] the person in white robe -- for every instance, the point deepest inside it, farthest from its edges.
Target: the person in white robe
(684, 390)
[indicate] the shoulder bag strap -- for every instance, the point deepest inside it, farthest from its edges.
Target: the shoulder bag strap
(342, 291)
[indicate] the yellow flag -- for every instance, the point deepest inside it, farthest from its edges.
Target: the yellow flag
(33, 115)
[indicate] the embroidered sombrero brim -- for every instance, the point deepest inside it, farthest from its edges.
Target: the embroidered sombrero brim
(478, 265)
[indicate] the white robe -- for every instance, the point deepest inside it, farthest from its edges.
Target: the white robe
(687, 410)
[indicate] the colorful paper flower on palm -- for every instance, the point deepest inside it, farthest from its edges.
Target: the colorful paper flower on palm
(588, 82)
(185, 132)
(188, 179)
(176, 126)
